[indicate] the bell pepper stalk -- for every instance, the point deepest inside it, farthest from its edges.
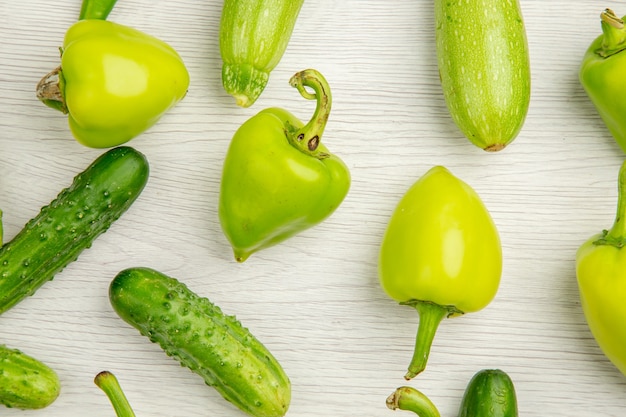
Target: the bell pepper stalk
(601, 276)
(114, 82)
(410, 399)
(96, 9)
(108, 383)
(601, 74)
(278, 178)
(440, 254)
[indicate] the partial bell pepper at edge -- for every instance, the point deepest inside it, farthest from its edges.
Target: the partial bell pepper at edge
(254, 35)
(440, 254)
(278, 178)
(114, 82)
(602, 75)
(601, 276)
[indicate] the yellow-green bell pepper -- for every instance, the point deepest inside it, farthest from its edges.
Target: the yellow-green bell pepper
(440, 254)
(602, 75)
(114, 81)
(601, 275)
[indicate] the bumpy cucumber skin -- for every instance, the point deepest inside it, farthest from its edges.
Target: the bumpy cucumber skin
(70, 223)
(484, 68)
(25, 382)
(490, 393)
(201, 337)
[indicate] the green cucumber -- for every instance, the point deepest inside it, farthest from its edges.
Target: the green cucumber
(25, 382)
(490, 393)
(70, 223)
(484, 67)
(201, 337)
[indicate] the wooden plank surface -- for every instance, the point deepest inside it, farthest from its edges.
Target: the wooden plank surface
(314, 300)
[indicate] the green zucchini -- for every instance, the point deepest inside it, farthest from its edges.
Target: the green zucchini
(201, 337)
(70, 223)
(254, 35)
(25, 382)
(484, 67)
(490, 393)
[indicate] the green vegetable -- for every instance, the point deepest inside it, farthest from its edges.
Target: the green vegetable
(602, 75)
(201, 337)
(253, 38)
(490, 393)
(70, 223)
(114, 82)
(411, 399)
(484, 68)
(25, 382)
(601, 275)
(108, 383)
(278, 178)
(440, 254)
(96, 9)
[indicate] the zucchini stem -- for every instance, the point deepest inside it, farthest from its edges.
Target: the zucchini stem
(108, 383)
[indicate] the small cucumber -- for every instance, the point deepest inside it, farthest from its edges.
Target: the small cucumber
(25, 382)
(201, 337)
(484, 68)
(70, 223)
(490, 393)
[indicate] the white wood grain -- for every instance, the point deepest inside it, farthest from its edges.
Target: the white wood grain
(315, 300)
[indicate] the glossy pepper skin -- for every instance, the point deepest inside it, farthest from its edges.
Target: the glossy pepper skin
(602, 75)
(440, 254)
(278, 178)
(114, 82)
(601, 275)
(254, 35)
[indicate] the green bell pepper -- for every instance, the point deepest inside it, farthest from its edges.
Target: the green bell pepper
(114, 81)
(440, 254)
(602, 75)
(601, 276)
(254, 35)
(278, 178)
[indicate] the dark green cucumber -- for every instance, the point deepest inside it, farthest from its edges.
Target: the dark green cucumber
(201, 337)
(490, 393)
(25, 382)
(70, 223)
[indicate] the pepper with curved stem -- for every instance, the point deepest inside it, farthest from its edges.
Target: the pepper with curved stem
(411, 399)
(108, 383)
(278, 177)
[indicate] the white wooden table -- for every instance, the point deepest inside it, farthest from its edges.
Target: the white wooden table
(314, 300)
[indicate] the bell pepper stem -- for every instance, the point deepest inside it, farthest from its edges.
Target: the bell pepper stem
(614, 31)
(430, 315)
(108, 383)
(50, 90)
(411, 399)
(96, 9)
(616, 236)
(308, 138)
